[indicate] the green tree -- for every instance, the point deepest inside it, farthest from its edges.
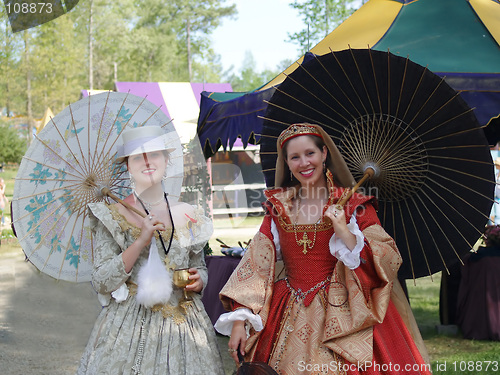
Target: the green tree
(10, 85)
(59, 65)
(130, 40)
(199, 19)
(12, 147)
(320, 18)
(103, 40)
(249, 79)
(208, 70)
(152, 52)
(113, 40)
(28, 70)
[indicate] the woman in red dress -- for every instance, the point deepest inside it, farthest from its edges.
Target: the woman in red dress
(340, 308)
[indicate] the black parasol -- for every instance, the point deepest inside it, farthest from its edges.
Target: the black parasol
(253, 368)
(434, 180)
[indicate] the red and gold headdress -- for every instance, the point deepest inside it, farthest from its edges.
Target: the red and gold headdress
(296, 130)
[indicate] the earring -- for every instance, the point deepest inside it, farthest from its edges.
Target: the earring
(324, 167)
(291, 176)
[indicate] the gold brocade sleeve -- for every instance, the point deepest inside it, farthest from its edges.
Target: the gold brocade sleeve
(349, 328)
(251, 283)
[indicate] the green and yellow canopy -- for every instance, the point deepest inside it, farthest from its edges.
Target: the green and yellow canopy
(456, 39)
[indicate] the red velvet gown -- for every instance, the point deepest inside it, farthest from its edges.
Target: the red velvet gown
(341, 314)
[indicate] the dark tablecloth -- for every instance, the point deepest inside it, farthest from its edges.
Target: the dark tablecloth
(219, 270)
(478, 305)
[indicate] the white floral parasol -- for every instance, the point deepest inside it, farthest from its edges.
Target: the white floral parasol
(72, 163)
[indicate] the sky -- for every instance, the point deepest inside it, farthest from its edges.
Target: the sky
(261, 27)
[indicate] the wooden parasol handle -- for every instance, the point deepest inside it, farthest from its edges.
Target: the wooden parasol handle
(108, 193)
(369, 173)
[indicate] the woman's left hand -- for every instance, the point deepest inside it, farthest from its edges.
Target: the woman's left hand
(337, 216)
(197, 284)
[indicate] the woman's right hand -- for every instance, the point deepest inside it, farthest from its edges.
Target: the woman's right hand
(238, 340)
(149, 225)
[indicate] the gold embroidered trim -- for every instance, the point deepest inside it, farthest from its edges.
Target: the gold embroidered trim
(295, 228)
(176, 313)
(291, 228)
(344, 195)
(285, 200)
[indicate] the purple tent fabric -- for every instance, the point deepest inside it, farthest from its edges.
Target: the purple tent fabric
(198, 88)
(149, 90)
(152, 91)
(479, 90)
(221, 123)
(225, 117)
(478, 305)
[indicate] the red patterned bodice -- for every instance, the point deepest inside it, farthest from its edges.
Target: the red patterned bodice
(307, 260)
(304, 271)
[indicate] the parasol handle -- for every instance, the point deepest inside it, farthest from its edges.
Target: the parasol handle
(369, 173)
(108, 193)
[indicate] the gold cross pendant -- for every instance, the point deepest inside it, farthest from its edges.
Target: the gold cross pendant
(305, 241)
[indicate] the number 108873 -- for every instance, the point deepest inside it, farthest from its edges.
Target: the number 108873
(477, 366)
(28, 8)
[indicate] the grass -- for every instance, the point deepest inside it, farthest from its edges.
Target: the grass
(8, 247)
(449, 354)
(9, 175)
(248, 221)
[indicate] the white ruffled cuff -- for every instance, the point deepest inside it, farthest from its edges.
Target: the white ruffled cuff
(340, 251)
(121, 293)
(224, 324)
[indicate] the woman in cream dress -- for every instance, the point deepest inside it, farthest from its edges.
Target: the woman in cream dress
(145, 327)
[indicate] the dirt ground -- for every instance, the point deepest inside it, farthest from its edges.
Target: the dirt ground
(45, 324)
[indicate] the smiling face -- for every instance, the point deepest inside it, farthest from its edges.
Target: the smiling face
(147, 169)
(305, 160)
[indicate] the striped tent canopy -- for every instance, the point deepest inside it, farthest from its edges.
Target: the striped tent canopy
(455, 39)
(180, 101)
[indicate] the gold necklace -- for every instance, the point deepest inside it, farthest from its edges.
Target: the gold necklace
(305, 242)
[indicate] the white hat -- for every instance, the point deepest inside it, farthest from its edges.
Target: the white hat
(141, 140)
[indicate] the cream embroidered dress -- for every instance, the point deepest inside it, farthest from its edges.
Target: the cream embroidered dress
(127, 337)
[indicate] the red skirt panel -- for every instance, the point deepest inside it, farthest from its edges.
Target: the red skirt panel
(394, 351)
